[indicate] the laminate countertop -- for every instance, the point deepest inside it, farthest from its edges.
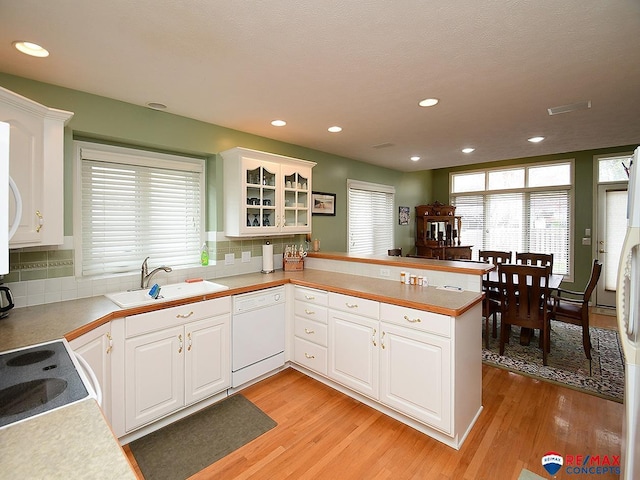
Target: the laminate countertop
(76, 442)
(41, 323)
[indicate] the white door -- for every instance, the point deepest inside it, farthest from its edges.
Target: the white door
(612, 223)
(207, 367)
(353, 352)
(154, 377)
(415, 375)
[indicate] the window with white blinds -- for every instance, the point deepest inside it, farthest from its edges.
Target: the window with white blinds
(371, 217)
(138, 204)
(519, 209)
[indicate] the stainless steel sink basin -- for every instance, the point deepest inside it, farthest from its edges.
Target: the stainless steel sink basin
(174, 291)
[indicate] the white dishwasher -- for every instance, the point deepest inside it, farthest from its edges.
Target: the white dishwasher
(258, 334)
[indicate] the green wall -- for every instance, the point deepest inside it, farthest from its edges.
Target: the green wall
(584, 199)
(103, 119)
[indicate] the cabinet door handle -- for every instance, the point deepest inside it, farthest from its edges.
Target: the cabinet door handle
(373, 338)
(308, 356)
(309, 297)
(190, 343)
(382, 340)
(412, 320)
(309, 312)
(309, 332)
(351, 305)
(40, 221)
(180, 340)
(180, 315)
(110, 347)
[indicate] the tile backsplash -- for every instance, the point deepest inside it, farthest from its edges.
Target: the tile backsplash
(44, 276)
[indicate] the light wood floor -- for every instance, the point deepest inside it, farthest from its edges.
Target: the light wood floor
(323, 434)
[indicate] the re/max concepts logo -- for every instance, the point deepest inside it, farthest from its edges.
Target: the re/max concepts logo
(581, 464)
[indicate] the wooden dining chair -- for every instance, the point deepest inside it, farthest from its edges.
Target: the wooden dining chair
(540, 259)
(395, 252)
(575, 308)
(525, 300)
(492, 301)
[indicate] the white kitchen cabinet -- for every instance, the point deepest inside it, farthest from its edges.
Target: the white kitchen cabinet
(265, 194)
(310, 329)
(175, 357)
(96, 348)
(416, 375)
(353, 343)
(36, 164)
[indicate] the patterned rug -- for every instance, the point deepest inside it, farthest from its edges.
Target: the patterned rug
(567, 364)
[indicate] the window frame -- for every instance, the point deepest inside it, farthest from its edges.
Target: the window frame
(130, 156)
(570, 188)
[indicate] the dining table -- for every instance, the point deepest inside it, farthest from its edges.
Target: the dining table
(491, 281)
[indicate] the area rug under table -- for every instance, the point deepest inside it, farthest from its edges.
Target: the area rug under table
(567, 363)
(185, 447)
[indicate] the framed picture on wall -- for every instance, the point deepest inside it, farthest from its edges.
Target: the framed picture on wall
(323, 203)
(403, 215)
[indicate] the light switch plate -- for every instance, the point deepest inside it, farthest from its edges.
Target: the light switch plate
(246, 257)
(586, 240)
(587, 232)
(229, 258)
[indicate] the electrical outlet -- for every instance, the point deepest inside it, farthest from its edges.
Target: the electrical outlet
(229, 258)
(586, 240)
(246, 257)
(384, 272)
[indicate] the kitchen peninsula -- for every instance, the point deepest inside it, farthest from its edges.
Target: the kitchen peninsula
(450, 323)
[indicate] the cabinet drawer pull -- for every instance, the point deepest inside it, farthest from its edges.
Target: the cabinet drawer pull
(180, 315)
(309, 312)
(351, 305)
(180, 344)
(382, 340)
(309, 332)
(412, 320)
(373, 338)
(190, 343)
(309, 356)
(310, 297)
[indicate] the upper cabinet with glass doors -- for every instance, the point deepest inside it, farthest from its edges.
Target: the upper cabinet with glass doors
(265, 193)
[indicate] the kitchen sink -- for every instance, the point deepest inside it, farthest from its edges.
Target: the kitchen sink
(175, 291)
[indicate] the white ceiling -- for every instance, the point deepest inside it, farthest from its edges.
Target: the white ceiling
(495, 65)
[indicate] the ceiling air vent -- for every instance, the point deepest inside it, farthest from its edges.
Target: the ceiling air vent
(383, 145)
(569, 108)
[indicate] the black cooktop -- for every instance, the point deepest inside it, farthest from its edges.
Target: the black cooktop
(37, 379)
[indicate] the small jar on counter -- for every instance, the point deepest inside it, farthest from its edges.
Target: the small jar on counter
(412, 279)
(403, 276)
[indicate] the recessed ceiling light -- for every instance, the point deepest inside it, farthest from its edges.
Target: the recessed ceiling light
(536, 139)
(415, 158)
(156, 105)
(335, 129)
(428, 102)
(468, 150)
(278, 123)
(31, 48)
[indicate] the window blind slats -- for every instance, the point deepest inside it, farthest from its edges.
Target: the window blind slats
(133, 211)
(370, 219)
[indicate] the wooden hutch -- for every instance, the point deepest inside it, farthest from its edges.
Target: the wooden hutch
(438, 233)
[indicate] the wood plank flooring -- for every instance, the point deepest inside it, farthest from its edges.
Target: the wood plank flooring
(323, 434)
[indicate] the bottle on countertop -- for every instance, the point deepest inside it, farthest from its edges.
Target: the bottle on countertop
(204, 255)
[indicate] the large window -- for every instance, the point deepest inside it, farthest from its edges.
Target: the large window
(370, 211)
(519, 209)
(137, 204)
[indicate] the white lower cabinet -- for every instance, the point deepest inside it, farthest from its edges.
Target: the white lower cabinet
(353, 352)
(172, 362)
(96, 348)
(310, 329)
(416, 375)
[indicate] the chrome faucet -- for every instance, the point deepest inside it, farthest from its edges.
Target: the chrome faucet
(145, 275)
